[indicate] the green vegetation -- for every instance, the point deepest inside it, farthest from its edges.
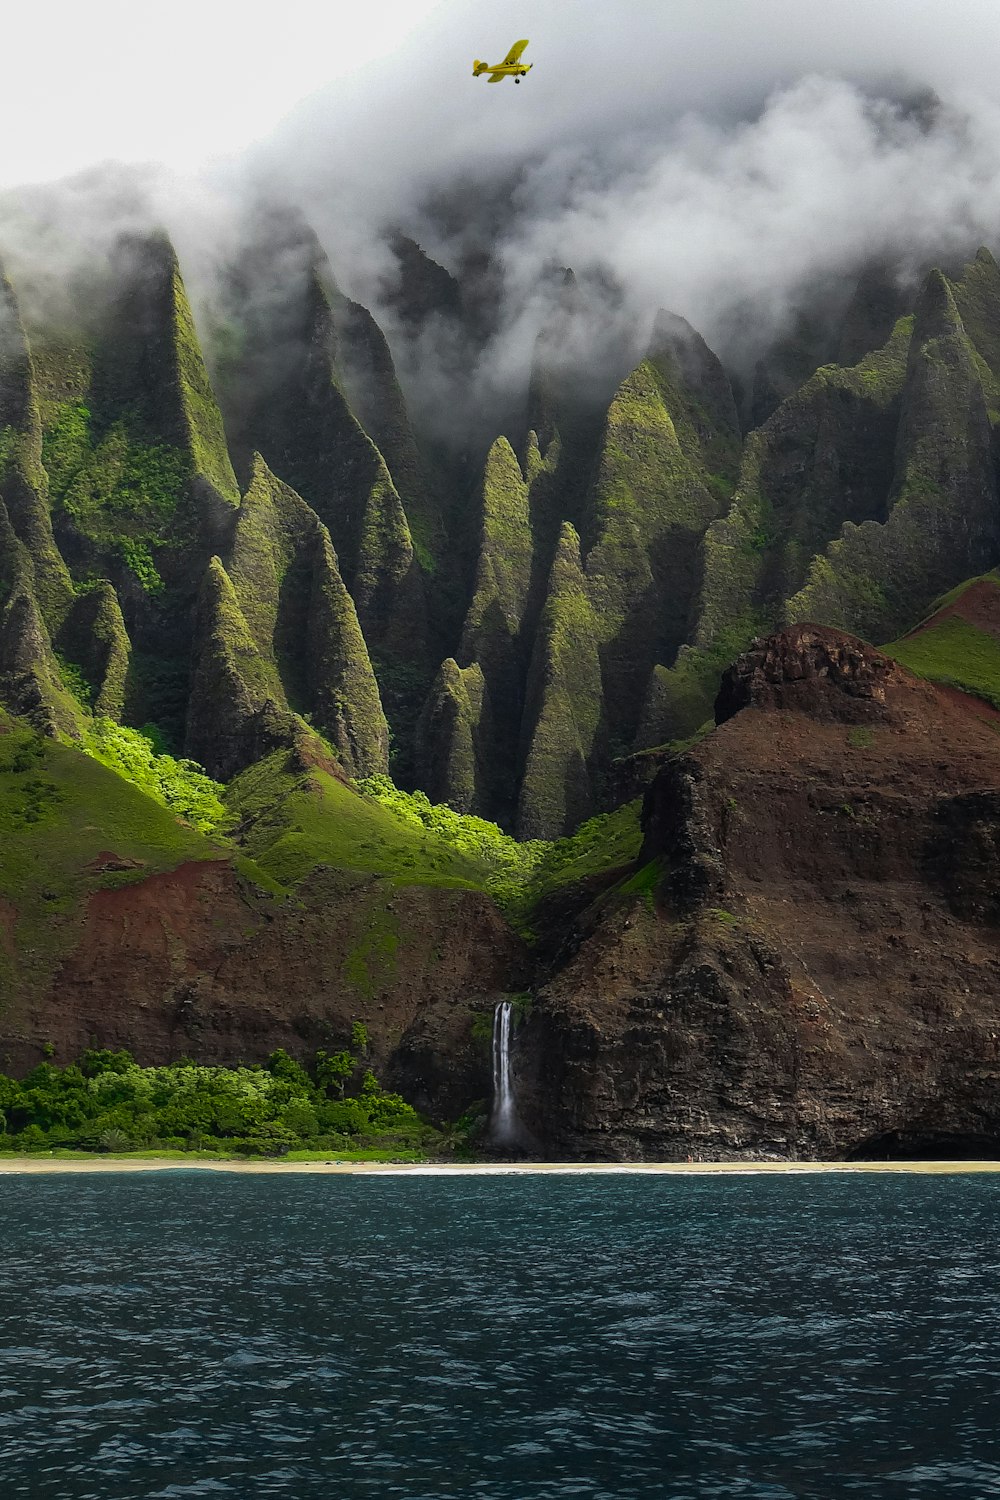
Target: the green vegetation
(610, 841)
(565, 703)
(519, 875)
(504, 865)
(60, 814)
(120, 493)
(786, 509)
(106, 1102)
(877, 575)
(954, 652)
(293, 820)
(206, 435)
(861, 739)
(180, 785)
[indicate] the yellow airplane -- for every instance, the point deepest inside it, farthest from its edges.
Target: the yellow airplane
(511, 67)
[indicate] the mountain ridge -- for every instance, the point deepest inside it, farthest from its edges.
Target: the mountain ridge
(526, 642)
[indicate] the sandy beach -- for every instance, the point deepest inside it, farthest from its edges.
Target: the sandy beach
(48, 1166)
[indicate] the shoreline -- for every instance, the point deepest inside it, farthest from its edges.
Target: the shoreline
(48, 1166)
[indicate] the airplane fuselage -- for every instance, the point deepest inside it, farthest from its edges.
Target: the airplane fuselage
(515, 70)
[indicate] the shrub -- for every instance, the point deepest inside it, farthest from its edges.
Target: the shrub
(180, 785)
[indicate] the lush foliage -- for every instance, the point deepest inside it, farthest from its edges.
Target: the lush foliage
(120, 493)
(517, 875)
(505, 863)
(106, 1102)
(180, 785)
(294, 821)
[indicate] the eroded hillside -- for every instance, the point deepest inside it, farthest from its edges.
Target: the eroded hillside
(235, 571)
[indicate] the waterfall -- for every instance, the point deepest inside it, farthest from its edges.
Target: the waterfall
(504, 1128)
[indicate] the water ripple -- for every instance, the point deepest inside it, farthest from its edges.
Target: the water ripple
(513, 1338)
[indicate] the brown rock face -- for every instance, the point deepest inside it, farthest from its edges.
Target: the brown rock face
(809, 964)
(196, 962)
(817, 671)
(805, 960)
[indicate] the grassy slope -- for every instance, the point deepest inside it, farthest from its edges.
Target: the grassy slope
(293, 821)
(59, 809)
(953, 650)
(609, 842)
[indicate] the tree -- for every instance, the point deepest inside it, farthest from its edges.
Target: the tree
(333, 1069)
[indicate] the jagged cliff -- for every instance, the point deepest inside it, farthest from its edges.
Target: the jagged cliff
(805, 961)
(234, 537)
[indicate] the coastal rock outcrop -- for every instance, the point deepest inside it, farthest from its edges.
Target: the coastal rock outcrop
(807, 960)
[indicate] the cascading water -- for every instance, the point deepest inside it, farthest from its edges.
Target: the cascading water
(503, 1126)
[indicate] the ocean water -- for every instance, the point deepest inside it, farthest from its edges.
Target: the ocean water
(506, 1338)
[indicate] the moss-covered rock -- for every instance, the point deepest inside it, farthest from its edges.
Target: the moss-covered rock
(455, 740)
(291, 626)
(493, 633)
(94, 638)
(879, 300)
(825, 455)
(339, 673)
(231, 719)
(563, 722)
(368, 378)
(285, 396)
(799, 350)
(943, 521)
(30, 680)
(667, 465)
(977, 299)
(23, 481)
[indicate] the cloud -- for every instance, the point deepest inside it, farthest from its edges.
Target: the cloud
(722, 158)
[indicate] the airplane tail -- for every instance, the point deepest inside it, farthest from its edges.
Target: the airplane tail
(475, 68)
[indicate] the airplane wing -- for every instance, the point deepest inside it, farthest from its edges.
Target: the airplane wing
(514, 54)
(496, 78)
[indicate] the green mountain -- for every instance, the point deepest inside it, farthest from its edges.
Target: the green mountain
(305, 719)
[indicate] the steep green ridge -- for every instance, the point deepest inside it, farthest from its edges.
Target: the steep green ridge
(284, 392)
(667, 467)
(563, 721)
(23, 481)
(943, 520)
(368, 379)
(116, 426)
(493, 636)
(290, 630)
(664, 463)
(35, 589)
(455, 744)
(135, 468)
(94, 640)
(667, 462)
(868, 492)
(827, 447)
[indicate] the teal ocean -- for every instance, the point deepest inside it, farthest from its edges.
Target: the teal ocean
(509, 1338)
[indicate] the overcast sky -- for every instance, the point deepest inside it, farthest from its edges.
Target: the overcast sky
(710, 156)
(178, 82)
(184, 82)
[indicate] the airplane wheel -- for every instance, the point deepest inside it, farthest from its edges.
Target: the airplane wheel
(517, 80)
